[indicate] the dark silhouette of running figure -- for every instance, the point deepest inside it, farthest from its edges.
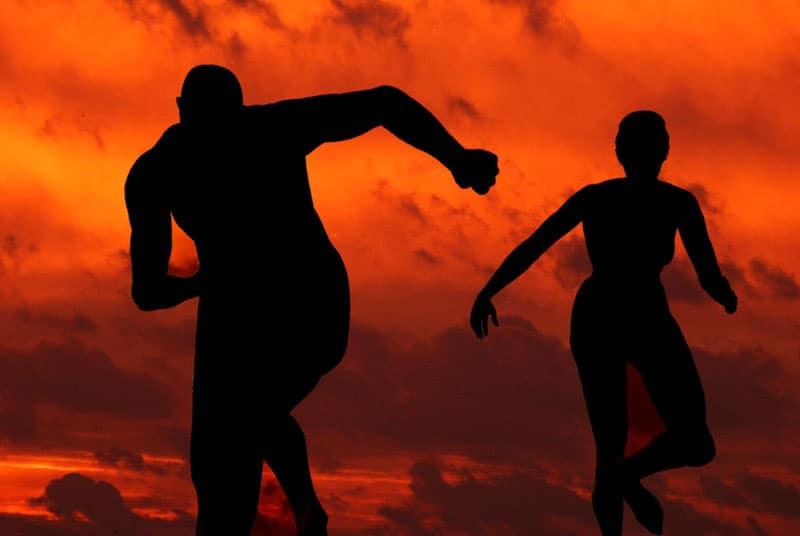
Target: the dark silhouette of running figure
(621, 316)
(274, 308)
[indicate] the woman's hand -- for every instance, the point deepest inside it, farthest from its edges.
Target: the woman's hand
(479, 317)
(730, 302)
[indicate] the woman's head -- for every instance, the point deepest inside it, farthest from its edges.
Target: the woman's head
(642, 144)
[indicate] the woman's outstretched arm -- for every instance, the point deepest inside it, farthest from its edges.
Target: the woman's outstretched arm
(694, 234)
(523, 256)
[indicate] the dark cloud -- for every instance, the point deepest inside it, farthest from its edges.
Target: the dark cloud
(514, 397)
(442, 226)
(406, 202)
(82, 506)
(758, 494)
(756, 527)
(126, 459)
(721, 493)
(119, 457)
(71, 376)
(460, 105)
(70, 324)
(194, 24)
(679, 278)
(57, 125)
(236, 46)
(572, 266)
(681, 283)
(778, 282)
(709, 123)
(378, 19)
(74, 496)
(771, 496)
(426, 256)
(684, 518)
(519, 503)
(14, 250)
(744, 397)
(543, 21)
(704, 198)
(571, 262)
(265, 10)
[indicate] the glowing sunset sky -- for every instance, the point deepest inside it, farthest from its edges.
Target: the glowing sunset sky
(423, 430)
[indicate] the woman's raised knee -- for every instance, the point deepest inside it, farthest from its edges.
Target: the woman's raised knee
(698, 446)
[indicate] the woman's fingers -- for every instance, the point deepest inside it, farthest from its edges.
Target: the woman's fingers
(493, 312)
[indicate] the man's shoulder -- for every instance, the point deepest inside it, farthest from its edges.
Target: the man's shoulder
(147, 171)
(272, 113)
(157, 154)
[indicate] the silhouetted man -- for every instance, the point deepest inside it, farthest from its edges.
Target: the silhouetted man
(274, 307)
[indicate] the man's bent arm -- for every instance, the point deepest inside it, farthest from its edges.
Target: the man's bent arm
(151, 244)
(336, 117)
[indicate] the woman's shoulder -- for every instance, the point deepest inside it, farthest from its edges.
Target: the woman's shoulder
(676, 193)
(603, 187)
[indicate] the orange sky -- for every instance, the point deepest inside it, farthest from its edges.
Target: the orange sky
(89, 384)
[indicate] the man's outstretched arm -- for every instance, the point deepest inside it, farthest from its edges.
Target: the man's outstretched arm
(337, 117)
(151, 243)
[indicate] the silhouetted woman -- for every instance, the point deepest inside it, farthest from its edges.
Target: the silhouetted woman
(621, 316)
(274, 306)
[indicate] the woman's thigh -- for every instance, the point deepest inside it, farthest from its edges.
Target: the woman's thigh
(601, 364)
(666, 365)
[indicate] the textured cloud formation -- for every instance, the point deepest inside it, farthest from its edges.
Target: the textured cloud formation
(193, 22)
(779, 283)
(519, 503)
(119, 457)
(544, 20)
(378, 19)
(757, 493)
(86, 507)
(543, 83)
(71, 376)
(510, 400)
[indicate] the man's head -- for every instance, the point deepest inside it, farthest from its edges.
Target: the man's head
(642, 144)
(210, 96)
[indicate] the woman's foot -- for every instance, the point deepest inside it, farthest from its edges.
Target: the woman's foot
(314, 522)
(645, 507)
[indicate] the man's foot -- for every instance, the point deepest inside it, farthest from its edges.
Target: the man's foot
(645, 507)
(607, 503)
(312, 523)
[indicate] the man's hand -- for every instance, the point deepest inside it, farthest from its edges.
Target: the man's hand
(479, 318)
(476, 169)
